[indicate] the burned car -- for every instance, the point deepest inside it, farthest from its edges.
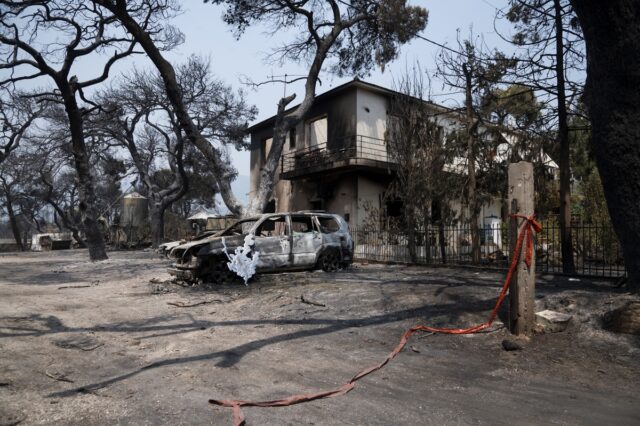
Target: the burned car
(165, 248)
(283, 241)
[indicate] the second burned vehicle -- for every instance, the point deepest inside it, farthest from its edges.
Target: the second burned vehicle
(284, 241)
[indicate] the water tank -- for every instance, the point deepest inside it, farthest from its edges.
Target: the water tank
(134, 210)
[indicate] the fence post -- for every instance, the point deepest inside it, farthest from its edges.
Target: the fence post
(522, 289)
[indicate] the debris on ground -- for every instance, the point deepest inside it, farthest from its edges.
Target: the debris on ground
(625, 319)
(93, 284)
(511, 345)
(191, 305)
(61, 377)
(159, 289)
(158, 364)
(552, 321)
(82, 342)
(311, 302)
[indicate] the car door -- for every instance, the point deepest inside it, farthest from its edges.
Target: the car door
(306, 240)
(272, 240)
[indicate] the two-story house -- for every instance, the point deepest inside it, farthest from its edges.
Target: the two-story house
(337, 159)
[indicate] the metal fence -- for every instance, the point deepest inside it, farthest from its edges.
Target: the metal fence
(596, 251)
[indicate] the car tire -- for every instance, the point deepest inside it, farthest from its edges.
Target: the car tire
(329, 261)
(219, 272)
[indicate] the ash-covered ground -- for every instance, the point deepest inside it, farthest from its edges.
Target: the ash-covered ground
(116, 342)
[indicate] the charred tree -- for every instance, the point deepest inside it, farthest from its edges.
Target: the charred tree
(80, 32)
(550, 62)
(476, 74)
(471, 124)
(416, 143)
(139, 116)
(612, 34)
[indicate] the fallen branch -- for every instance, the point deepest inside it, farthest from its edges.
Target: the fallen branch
(73, 286)
(191, 305)
(58, 377)
(311, 302)
(92, 347)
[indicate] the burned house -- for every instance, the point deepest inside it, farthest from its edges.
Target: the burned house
(337, 159)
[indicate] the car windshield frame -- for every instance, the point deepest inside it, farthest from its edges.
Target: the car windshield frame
(226, 233)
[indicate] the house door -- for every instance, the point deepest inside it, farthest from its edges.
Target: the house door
(273, 243)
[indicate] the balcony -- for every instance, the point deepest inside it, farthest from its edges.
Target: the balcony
(351, 153)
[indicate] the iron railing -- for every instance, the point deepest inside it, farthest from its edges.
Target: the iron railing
(597, 251)
(349, 151)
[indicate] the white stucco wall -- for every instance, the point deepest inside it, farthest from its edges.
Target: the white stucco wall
(368, 192)
(371, 114)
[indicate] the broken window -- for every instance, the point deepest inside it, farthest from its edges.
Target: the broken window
(394, 207)
(240, 228)
(292, 138)
(265, 148)
(328, 225)
(275, 226)
(301, 224)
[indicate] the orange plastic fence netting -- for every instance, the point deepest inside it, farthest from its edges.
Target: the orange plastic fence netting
(529, 226)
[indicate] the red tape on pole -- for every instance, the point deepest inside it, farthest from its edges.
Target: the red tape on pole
(528, 228)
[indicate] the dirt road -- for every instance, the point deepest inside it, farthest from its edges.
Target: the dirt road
(98, 343)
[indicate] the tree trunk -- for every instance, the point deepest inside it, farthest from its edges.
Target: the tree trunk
(224, 172)
(427, 237)
(86, 190)
(156, 214)
(612, 33)
(76, 236)
(566, 242)
(471, 169)
(443, 243)
(266, 182)
(411, 243)
(13, 221)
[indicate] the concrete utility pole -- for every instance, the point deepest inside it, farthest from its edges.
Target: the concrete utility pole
(522, 289)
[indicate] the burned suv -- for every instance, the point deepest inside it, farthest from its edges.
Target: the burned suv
(285, 241)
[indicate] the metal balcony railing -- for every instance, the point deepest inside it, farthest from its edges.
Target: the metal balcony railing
(349, 151)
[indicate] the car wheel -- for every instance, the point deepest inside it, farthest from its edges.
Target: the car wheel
(220, 273)
(329, 262)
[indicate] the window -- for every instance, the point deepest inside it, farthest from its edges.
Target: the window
(265, 148)
(240, 228)
(328, 225)
(275, 226)
(317, 132)
(271, 207)
(301, 224)
(292, 138)
(394, 207)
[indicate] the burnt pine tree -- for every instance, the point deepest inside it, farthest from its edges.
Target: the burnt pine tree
(18, 111)
(416, 143)
(140, 118)
(612, 34)
(43, 40)
(473, 72)
(358, 35)
(551, 57)
(12, 176)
